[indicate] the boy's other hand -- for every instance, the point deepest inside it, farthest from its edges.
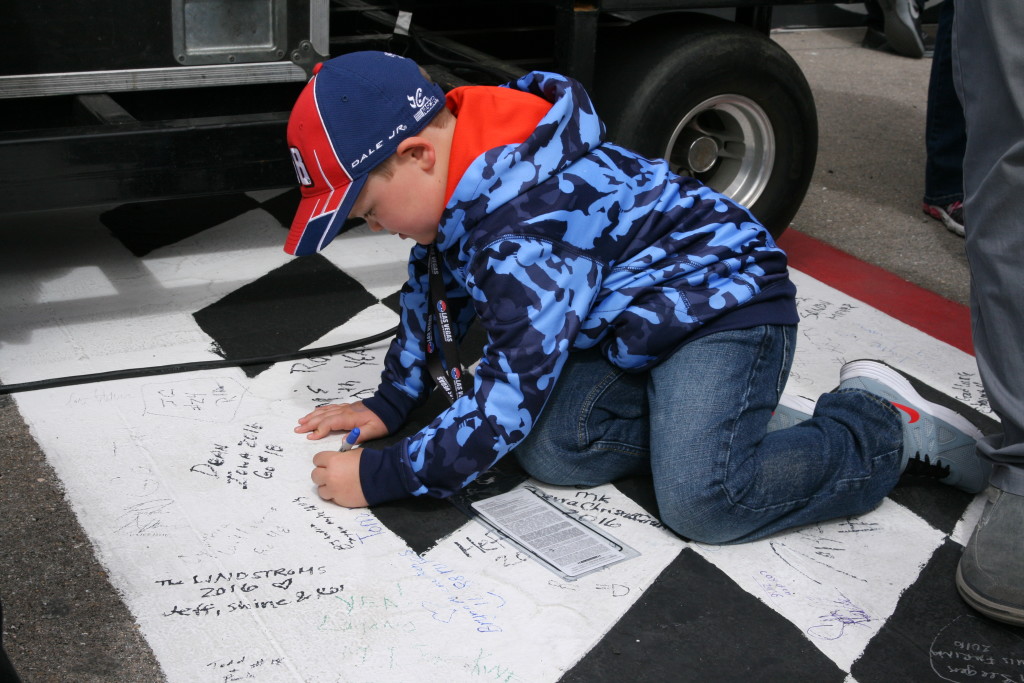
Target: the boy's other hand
(342, 417)
(337, 477)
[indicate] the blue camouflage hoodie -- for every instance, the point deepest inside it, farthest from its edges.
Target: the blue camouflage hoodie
(560, 243)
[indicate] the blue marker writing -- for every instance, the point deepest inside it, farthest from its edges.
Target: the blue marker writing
(350, 440)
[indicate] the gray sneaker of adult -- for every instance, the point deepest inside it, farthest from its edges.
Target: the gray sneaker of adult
(937, 442)
(792, 410)
(903, 27)
(990, 570)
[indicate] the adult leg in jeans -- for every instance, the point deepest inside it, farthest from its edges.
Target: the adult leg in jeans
(945, 135)
(700, 420)
(989, 75)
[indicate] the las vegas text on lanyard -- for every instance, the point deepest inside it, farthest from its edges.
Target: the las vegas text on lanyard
(449, 380)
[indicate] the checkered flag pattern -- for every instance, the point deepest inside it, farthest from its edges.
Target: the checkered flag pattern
(194, 490)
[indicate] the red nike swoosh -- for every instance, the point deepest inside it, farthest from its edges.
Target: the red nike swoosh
(914, 415)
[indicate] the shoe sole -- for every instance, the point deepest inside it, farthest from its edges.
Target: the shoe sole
(885, 375)
(987, 607)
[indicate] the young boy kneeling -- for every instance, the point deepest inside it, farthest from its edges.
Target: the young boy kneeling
(636, 320)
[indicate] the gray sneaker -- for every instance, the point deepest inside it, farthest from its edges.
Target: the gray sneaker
(937, 442)
(990, 570)
(791, 410)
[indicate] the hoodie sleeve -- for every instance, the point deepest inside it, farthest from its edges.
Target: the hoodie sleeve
(531, 297)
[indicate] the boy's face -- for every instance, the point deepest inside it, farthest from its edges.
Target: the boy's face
(408, 203)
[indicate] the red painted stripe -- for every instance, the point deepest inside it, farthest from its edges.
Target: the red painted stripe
(920, 308)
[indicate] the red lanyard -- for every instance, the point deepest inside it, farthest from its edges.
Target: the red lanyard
(450, 379)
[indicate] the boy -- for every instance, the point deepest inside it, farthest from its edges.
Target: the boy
(636, 320)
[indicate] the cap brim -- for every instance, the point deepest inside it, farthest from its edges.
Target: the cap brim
(320, 218)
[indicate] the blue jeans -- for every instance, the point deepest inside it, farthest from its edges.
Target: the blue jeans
(697, 423)
(945, 135)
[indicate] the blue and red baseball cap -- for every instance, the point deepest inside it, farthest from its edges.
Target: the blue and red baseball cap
(350, 117)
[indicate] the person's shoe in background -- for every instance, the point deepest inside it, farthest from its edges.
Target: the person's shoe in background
(951, 215)
(989, 576)
(903, 27)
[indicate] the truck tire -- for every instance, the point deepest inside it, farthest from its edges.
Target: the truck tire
(722, 102)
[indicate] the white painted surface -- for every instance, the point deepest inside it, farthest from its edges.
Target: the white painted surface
(196, 494)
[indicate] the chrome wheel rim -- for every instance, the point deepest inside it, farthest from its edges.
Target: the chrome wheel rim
(727, 143)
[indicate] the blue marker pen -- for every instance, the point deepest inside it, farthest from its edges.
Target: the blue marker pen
(350, 440)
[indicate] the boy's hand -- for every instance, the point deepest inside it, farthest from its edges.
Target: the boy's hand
(337, 477)
(343, 417)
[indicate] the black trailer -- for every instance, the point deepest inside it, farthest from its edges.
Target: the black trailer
(125, 102)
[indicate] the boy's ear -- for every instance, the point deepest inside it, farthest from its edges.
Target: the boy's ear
(418, 148)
